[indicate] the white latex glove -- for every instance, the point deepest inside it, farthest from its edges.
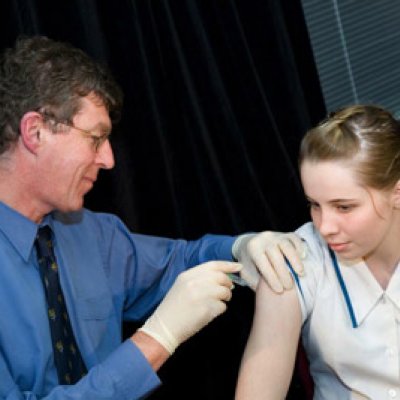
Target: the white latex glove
(263, 253)
(195, 299)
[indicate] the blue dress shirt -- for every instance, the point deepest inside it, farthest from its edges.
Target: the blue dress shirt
(108, 276)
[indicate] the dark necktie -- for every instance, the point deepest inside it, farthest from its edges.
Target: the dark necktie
(67, 358)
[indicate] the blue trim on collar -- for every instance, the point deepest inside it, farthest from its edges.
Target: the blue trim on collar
(295, 276)
(344, 289)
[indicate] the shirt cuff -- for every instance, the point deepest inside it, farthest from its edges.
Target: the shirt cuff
(226, 248)
(131, 371)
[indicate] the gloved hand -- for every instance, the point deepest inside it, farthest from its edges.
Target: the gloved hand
(263, 253)
(195, 299)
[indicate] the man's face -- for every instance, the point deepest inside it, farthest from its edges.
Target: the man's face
(69, 160)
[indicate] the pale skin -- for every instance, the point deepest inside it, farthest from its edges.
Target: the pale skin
(268, 360)
(357, 222)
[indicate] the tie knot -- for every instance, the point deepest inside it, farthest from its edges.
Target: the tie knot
(44, 241)
(44, 233)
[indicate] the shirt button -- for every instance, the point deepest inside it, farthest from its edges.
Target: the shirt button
(392, 393)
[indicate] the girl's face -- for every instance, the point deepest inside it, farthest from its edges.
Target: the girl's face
(355, 221)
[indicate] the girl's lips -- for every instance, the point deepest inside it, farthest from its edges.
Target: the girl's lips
(338, 246)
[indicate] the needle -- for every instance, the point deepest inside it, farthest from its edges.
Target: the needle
(238, 280)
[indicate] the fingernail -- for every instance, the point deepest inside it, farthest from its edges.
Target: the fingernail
(278, 289)
(288, 285)
(237, 266)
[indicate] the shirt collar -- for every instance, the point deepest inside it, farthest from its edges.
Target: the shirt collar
(363, 289)
(19, 230)
(393, 289)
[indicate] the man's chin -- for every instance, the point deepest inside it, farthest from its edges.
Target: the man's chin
(72, 206)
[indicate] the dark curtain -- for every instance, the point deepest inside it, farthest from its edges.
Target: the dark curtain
(218, 94)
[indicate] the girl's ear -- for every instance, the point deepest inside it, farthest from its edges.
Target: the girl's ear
(396, 195)
(30, 126)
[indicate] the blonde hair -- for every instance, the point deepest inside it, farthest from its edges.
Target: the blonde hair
(366, 136)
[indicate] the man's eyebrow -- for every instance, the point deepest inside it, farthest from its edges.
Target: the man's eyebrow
(100, 126)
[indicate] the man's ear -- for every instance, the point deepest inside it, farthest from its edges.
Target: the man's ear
(30, 126)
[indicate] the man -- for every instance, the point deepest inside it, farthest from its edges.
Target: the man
(55, 119)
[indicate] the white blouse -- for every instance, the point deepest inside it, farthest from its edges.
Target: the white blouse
(353, 344)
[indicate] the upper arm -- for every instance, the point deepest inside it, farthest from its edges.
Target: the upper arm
(268, 360)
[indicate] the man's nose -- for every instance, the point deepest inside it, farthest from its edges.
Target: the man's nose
(105, 155)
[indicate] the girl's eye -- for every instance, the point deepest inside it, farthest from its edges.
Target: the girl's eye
(345, 207)
(313, 205)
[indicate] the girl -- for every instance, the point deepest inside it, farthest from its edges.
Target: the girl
(347, 305)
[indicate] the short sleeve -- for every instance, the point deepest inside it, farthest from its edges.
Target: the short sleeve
(314, 264)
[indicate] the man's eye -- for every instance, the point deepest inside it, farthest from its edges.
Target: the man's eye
(98, 140)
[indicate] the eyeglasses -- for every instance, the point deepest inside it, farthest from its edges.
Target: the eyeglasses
(97, 140)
